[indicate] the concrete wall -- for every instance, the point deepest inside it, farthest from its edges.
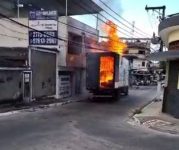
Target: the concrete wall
(10, 85)
(173, 36)
(133, 51)
(137, 64)
(43, 74)
(171, 96)
(62, 32)
(13, 35)
(86, 33)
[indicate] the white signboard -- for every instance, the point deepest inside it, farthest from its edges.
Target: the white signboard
(44, 25)
(64, 86)
(43, 28)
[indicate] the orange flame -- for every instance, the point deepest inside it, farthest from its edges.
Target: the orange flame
(106, 71)
(114, 43)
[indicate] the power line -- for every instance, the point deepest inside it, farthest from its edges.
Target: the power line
(121, 21)
(75, 27)
(91, 32)
(14, 37)
(63, 33)
(12, 29)
(76, 44)
(84, 8)
(58, 38)
(122, 17)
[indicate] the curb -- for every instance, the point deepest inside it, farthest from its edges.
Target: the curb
(143, 106)
(140, 108)
(135, 119)
(39, 107)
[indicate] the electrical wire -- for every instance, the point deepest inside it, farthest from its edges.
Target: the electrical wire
(122, 17)
(86, 31)
(82, 29)
(59, 38)
(69, 26)
(12, 29)
(14, 37)
(122, 22)
(84, 8)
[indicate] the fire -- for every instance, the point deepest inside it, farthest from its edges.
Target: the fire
(114, 42)
(106, 71)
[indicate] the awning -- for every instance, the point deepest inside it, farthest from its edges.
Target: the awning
(75, 7)
(164, 56)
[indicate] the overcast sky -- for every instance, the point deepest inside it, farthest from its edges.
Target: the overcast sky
(134, 10)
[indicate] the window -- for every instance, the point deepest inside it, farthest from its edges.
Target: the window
(142, 52)
(143, 64)
(74, 44)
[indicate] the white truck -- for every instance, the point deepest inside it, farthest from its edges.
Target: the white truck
(107, 74)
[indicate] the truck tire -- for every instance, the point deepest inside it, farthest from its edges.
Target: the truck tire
(115, 95)
(126, 91)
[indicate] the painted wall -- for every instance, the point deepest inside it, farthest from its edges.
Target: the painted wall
(137, 64)
(13, 35)
(62, 45)
(133, 51)
(173, 36)
(171, 96)
(10, 85)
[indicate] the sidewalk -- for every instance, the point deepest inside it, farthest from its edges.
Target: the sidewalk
(14, 108)
(151, 117)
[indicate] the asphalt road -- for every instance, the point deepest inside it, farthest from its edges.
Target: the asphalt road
(100, 125)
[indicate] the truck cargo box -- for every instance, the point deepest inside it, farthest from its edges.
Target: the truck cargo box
(102, 70)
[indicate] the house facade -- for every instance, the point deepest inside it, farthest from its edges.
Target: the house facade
(36, 72)
(169, 32)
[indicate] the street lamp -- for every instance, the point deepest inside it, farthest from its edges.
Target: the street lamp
(19, 6)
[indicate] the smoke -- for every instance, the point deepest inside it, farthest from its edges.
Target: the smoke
(114, 5)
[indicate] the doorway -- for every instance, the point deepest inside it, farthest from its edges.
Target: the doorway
(27, 86)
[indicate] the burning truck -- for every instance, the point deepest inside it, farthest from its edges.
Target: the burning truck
(107, 74)
(108, 71)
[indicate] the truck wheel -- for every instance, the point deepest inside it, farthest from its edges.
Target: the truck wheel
(126, 91)
(115, 95)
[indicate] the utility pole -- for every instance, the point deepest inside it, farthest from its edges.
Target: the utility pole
(161, 17)
(19, 5)
(157, 9)
(17, 8)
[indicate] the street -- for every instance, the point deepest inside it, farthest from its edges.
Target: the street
(84, 125)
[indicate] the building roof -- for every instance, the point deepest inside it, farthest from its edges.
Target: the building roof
(164, 56)
(167, 26)
(145, 46)
(75, 7)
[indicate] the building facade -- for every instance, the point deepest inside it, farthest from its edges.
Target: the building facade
(139, 65)
(169, 32)
(62, 66)
(63, 77)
